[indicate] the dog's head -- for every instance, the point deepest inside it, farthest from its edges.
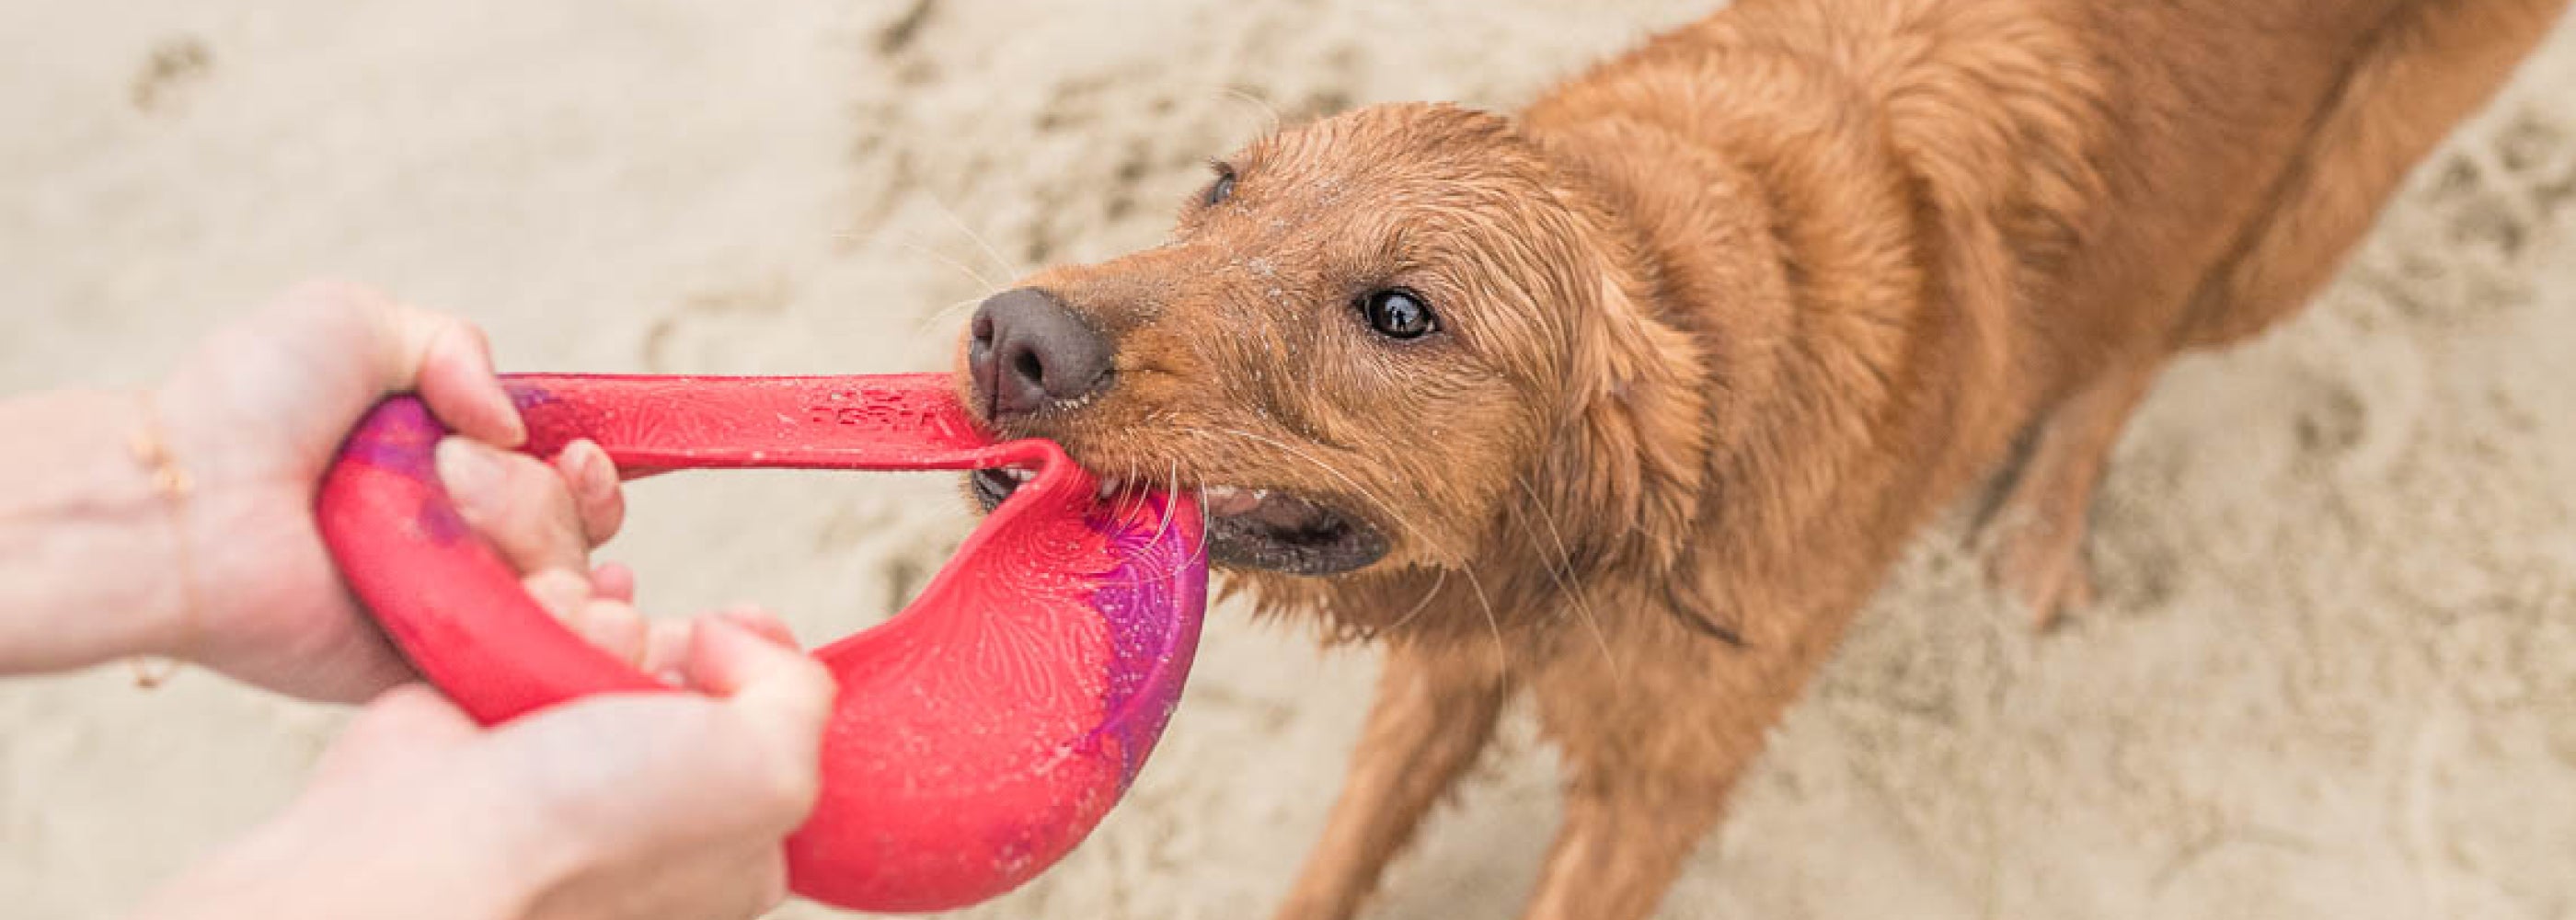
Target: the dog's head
(1385, 340)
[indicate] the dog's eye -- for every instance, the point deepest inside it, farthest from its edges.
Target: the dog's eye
(1398, 314)
(1221, 189)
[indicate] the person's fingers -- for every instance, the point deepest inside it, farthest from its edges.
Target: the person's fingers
(616, 784)
(449, 362)
(725, 657)
(762, 623)
(667, 643)
(613, 581)
(615, 628)
(783, 694)
(402, 723)
(593, 480)
(560, 592)
(395, 348)
(613, 625)
(517, 502)
(666, 650)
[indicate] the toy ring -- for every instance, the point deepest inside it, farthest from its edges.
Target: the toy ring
(978, 735)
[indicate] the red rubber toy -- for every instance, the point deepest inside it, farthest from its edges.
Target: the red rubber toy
(978, 735)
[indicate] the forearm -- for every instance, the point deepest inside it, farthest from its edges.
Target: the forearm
(87, 537)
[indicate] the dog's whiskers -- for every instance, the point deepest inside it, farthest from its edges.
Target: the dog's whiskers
(1381, 504)
(1502, 652)
(1493, 623)
(980, 242)
(1271, 111)
(1171, 506)
(888, 236)
(942, 314)
(1425, 603)
(1559, 574)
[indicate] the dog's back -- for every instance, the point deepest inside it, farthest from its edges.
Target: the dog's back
(2025, 207)
(2154, 172)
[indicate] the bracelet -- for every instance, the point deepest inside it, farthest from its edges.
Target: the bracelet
(172, 483)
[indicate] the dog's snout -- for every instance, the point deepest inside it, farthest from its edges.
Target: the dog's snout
(1027, 350)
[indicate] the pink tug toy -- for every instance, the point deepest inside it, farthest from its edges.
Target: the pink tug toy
(979, 734)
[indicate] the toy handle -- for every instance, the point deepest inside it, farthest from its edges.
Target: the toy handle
(436, 586)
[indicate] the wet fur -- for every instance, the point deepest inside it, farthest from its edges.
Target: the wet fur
(1730, 317)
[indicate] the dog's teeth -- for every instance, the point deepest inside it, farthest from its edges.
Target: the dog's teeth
(1019, 475)
(1229, 500)
(1109, 487)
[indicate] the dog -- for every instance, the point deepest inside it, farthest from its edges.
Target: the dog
(1630, 400)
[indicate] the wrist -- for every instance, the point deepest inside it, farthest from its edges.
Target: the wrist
(86, 541)
(222, 557)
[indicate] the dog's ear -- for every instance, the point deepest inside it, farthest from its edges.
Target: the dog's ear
(1625, 473)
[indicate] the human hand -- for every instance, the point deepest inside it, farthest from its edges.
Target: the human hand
(544, 517)
(254, 417)
(608, 808)
(636, 805)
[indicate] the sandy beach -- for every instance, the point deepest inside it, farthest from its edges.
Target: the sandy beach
(2332, 675)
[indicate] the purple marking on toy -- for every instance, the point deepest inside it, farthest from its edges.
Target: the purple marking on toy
(1147, 667)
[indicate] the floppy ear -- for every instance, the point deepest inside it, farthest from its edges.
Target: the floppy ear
(1628, 465)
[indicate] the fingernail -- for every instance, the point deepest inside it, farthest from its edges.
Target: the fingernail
(514, 429)
(466, 467)
(484, 393)
(597, 476)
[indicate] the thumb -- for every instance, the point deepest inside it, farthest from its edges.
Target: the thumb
(373, 345)
(784, 694)
(449, 362)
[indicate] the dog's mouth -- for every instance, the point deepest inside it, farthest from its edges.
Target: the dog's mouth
(1249, 528)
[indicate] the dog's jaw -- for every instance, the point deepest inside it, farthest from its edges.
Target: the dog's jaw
(1258, 529)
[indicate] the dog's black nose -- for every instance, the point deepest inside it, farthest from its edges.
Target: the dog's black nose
(1028, 351)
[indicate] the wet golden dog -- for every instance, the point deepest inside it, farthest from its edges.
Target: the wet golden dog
(1629, 401)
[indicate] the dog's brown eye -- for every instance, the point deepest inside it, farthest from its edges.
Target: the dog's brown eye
(1398, 314)
(1221, 189)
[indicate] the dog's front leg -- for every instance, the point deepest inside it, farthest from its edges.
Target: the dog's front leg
(1435, 711)
(1655, 731)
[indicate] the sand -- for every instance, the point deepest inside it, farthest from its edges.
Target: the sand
(2333, 674)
